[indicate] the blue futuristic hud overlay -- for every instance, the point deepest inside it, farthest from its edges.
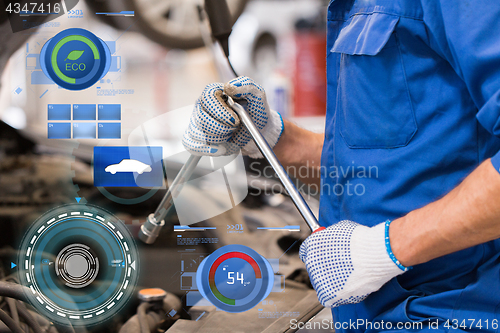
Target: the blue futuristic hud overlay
(80, 264)
(106, 156)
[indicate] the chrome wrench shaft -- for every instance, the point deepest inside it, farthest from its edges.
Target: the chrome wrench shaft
(155, 222)
(268, 153)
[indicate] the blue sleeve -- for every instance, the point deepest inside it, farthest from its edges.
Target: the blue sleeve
(467, 34)
(495, 160)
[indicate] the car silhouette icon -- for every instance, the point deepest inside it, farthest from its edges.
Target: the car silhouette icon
(127, 165)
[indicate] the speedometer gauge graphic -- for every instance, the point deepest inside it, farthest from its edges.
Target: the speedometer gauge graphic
(235, 278)
(80, 264)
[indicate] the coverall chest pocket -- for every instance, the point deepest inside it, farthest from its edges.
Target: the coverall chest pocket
(374, 108)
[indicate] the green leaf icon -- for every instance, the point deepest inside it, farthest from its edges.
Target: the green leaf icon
(74, 55)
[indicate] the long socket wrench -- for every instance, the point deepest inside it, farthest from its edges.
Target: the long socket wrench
(154, 223)
(151, 228)
(269, 155)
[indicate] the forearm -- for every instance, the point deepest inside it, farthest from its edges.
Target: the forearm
(299, 151)
(467, 216)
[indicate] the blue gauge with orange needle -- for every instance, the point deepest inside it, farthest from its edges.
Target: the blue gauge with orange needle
(235, 278)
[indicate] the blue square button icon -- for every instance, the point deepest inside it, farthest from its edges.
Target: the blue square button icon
(109, 111)
(59, 131)
(84, 111)
(59, 111)
(109, 130)
(84, 130)
(128, 166)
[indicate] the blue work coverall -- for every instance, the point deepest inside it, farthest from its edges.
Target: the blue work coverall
(413, 108)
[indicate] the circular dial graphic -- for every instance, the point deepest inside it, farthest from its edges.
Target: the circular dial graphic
(77, 266)
(75, 59)
(235, 278)
(80, 264)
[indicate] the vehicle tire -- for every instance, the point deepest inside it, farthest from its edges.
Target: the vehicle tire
(158, 20)
(102, 6)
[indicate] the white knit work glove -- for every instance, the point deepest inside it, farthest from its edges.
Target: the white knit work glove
(215, 129)
(348, 261)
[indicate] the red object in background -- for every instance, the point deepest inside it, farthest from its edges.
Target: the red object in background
(309, 82)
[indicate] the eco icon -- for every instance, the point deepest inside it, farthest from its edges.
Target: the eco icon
(74, 55)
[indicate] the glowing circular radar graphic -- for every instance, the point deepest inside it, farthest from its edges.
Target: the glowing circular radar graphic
(80, 264)
(235, 278)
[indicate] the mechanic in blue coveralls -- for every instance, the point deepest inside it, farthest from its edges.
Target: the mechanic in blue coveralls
(414, 91)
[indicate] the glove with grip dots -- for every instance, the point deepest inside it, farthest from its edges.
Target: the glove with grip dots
(348, 261)
(215, 129)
